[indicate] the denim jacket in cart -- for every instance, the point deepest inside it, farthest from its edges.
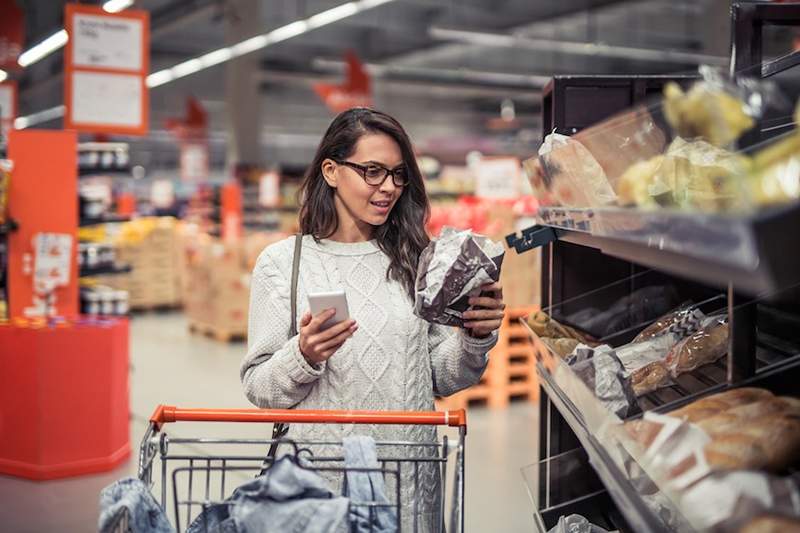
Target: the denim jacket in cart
(286, 499)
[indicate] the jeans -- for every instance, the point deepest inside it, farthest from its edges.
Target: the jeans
(145, 515)
(287, 498)
(366, 487)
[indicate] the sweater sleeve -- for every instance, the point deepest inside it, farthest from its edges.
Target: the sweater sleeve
(457, 360)
(274, 372)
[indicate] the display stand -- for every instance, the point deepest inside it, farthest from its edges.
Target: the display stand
(63, 379)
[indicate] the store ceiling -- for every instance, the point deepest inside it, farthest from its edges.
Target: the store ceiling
(442, 66)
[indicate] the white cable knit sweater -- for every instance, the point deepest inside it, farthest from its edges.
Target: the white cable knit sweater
(394, 361)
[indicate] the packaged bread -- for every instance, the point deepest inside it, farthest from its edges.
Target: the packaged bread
(544, 326)
(664, 323)
(716, 403)
(562, 346)
(649, 378)
(735, 452)
(772, 523)
(733, 418)
(702, 348)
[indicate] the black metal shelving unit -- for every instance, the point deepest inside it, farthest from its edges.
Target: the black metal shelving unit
(747, 267)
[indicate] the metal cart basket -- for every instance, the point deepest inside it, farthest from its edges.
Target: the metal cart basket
(196, 473)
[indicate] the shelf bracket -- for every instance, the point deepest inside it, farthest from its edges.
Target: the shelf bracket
(531, 238)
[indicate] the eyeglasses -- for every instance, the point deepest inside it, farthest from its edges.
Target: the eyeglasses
(375, 175)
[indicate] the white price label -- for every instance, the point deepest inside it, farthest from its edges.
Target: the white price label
(52, 260)
(162, 194)
(497, 177)
(107, 99)
(269, 189)
(107, 42)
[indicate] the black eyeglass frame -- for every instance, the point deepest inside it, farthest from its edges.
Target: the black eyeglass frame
(362, 171)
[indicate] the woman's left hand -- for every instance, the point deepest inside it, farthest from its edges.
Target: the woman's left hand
(488, 311)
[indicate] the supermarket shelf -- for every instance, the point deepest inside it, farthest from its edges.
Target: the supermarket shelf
(8, 227)
(103, 220)
(756, 254)
(98, 171)
(87, 272)
(628, 500)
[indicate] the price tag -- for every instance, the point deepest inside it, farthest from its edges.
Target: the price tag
(497, 177)
(52, 260)
(162, 194)
(269, 189)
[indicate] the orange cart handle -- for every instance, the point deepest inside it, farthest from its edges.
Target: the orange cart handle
(168, 413)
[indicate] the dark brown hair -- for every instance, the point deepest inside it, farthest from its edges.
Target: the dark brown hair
(402, 237)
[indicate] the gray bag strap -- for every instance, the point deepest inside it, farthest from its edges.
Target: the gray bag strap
(298, 248)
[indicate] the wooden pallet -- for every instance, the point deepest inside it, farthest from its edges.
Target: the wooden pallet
(511, 373)
(214, 332)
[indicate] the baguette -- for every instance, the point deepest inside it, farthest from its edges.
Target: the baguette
(733, 418)
(771, 524)
(779, 436)
(735, 452)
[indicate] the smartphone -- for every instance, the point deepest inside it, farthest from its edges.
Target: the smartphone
(320, 301)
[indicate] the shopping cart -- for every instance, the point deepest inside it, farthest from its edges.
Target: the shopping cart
(197, 472)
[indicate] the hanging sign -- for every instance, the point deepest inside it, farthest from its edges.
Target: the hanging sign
(105, 65)
(497, 177)
(355, 91)
(12, 34)
(8, 107)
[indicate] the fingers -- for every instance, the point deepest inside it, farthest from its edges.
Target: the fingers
(483, 327)
(306, 320)
(496, 288)
(320, 319)
(338, 340)
(483, 314)
(333, 331)
(486, 302)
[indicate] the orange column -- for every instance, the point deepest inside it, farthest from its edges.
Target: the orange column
(43, 198)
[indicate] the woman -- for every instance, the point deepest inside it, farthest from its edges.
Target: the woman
(363, 224)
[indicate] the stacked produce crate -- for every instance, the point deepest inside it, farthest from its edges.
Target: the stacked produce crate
(217, 283)
(149, 246)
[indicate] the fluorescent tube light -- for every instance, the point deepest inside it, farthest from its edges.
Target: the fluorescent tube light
(3, 76)
(43, 49)
(114, 6)
(40, 117)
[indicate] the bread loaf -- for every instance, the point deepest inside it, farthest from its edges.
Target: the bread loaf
(779, 436)
(716, 403)
(735, 452)
(649, 378)
(561, 347)
(771, 524)
(705, 346)
(544, 326)
(735, 418)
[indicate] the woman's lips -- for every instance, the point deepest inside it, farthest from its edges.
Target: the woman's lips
(382, 206)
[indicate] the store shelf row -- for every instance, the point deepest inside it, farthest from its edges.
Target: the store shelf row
(642, 494)
(757, 254)
(86, 272)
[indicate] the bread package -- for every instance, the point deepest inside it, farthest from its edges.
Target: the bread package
(716, 403)
(772, 523)
(649, 378)
(561, 347)
(545, 326)
(702, 348)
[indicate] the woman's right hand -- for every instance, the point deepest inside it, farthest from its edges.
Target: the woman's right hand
(319, 345)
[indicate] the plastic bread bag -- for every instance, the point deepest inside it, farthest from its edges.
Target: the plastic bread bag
(538, 180)
(728, 502)
(576, 523)
(451, 269)
(602, 372)
(645, 363)
(572, 174)
(706, 346)
(667, 321)
(545, 326)
(716, 108)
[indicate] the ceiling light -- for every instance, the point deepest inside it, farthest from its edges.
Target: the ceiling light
(3, 76)
(43, 49)
(293, 29)
(39, 117)
(114, 6)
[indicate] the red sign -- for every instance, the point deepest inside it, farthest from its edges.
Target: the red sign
(12, 34)
(354, 92)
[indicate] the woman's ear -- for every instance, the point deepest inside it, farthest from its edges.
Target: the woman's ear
(329, 172)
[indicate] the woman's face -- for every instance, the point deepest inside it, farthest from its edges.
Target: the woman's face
(357, 200)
